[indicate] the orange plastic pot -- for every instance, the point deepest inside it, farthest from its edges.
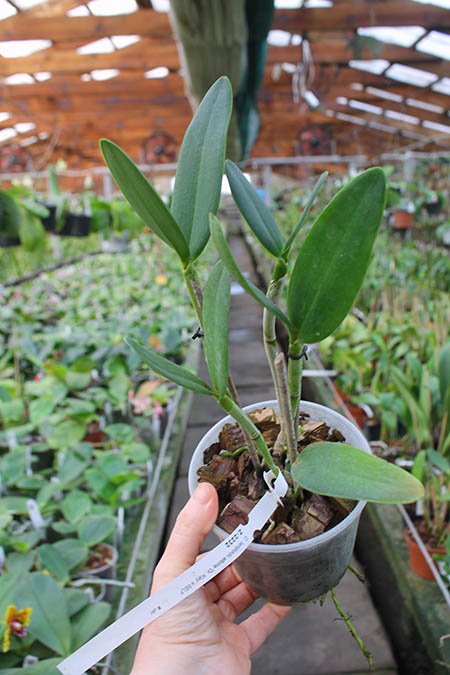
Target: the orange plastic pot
(417, 562)
(403, 220)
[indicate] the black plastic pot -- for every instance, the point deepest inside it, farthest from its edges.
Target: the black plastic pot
(8, 241)
(76, 225)
(49, 222)
(433, 208)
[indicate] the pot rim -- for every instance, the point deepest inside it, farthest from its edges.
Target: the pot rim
(432, 550)
(307, 406)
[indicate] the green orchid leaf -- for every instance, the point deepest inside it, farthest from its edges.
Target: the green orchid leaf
(73, 551)
(198, 180)
(88, 622)
(254, 210)
(444, 380)
(94, 529)
(170, 370)
(143, 198)
(50, 618)
(230, 263)
(53, 562)
(75, 506)
(333, 260)
(216, 307)
(76, 600)
(305, 213)
(340, 470)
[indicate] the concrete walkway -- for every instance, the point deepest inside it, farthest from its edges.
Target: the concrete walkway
(312, 640)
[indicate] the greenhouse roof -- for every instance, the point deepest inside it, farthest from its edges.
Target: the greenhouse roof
(375, 73)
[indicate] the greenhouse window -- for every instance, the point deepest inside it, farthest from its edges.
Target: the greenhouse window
(6, 134)
(42, 76)
(157, 73)
(104, 74)
(4, 116)
(435, 43)
(414, 103)
(405, 36)
(419, 78)
(19, 78)
(102, 46)
(375, 66)
(443, 86)
(11, 49)
(402, 117)
(108, 8)
(24, 127)
(81, 10)
(385, 93)
(6, 10)
(366, 107)
(444, 128)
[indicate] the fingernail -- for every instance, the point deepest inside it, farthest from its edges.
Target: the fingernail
(202, 493)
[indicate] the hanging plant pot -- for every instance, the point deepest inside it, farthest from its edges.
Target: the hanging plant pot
(305, 570)
(49, 222)
(8, 241)
(76, 225)
(417, 561)
(403, 220)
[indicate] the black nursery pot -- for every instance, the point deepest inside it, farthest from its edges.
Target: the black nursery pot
(76, 225)
(433, 208)
(49, 222)
(8, 241)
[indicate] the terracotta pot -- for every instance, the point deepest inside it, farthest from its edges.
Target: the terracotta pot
(299, 572)
(417, 561)
(403, 220)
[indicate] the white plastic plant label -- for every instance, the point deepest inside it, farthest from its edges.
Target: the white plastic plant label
(180, 588)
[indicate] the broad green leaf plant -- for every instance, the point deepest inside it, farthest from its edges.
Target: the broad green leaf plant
(322, 284)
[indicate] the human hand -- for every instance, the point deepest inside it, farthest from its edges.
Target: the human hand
(199, 636)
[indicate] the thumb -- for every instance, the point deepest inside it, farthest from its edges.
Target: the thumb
(191, 527)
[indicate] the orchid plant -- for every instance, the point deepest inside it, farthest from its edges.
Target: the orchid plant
(323, 280)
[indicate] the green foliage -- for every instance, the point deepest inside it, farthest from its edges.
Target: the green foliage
(198, 180)
(216, 307)
(341, 470)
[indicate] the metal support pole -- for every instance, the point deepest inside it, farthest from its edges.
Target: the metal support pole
(107, 185)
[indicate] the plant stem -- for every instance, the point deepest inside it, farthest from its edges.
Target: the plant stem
(287, 422)
(196, 297)
(348, 622)
(249, 428)
(269, 320)
(295, 369)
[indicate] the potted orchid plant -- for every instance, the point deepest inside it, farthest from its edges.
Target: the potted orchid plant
(305, 549)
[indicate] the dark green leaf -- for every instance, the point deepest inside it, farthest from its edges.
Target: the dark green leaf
(216, 307)
(170, 370)
(49, 618)
(73, 551)
(333, 260)
(76, 600)
(230, 263)
(340, 470)
(143, 198)
(52, 561)
(198, 180)
(88, 622)
(254, 210)
(95, 529)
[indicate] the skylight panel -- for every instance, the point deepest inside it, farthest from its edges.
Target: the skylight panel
(423, 105)
(104, 74)
(161, 5)
(42, 76)
(288, 4)
(157, 73)
(383, 127)
(102, 46)
(385, 93)
(320, 4)
(6, 10)
(351, 118)
(402, 117)
(376, 66)
(122, 41)
(85, 77)
(29, 141)
(108, 8)
(443, 86)
(357, 86)
(81, 10)
(420, 78)
(366, 107)
(43, 135)
(440, 3)
(435, 43)
(4, 116)
(19, 78)
(296, 40)
(26, 4)
(24, 127)
(11, 49)
(6, 134)
(405, 36)
(342, 100)
(444, 128)
(279, 38)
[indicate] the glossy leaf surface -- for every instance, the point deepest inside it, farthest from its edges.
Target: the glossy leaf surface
(198, 180)
(143, 198)
(216, 308)
(333, 260)
(255, 211)
(230, 263)
(340, 470)
(170, 370)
